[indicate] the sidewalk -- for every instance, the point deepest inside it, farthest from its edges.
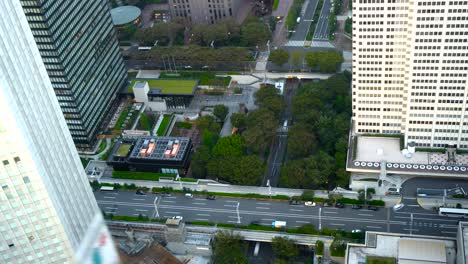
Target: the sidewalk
(436, 202)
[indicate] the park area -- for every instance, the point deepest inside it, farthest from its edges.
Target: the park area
(168, 86)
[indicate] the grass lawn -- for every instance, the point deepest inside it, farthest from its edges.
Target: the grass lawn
(380, 260)
(123, 115)
(188, 180)
(102, 146)
(147, 176)
(168, 86)
(123, 150)
(206, 78)
(184, 125)
(163, 125)
(275, 4)
(145, 122)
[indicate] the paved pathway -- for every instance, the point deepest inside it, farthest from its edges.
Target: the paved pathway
(96, 156)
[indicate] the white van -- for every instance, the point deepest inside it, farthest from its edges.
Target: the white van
(188, 195)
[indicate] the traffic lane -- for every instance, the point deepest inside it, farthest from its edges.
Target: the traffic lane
(123, 196)
(425, 223)
(302, 28)
(322, 24)
(410, 186)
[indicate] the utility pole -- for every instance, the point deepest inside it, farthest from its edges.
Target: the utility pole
(269, 188)
(238, 215)
(411, 225)
(320, 218)
(156, 212)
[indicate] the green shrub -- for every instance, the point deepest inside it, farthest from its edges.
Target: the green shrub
(338, 248)
(184, 125)
(319, 247)
(201, 223)
(147, 176)
(307, 195)
(377, 203)
(163, 126)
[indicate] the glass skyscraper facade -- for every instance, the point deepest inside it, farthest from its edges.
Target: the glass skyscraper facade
(78, 45)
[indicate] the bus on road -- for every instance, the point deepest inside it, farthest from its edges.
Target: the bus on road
(453, 212)
(106, 188)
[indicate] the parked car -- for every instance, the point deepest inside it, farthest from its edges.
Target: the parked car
(178, 217)
(339, 205)
(372, 208)
(398, 207)
(165, 194)
(211, 197)
(140, 192)
(294, 202)
(188, 195)
(309, 203)
(356, 206)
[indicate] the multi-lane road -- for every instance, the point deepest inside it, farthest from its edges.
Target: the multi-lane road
(322, 27)
(410, 219)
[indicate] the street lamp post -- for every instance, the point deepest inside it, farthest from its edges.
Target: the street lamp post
(156, 212)
(320, 218)
(238, 215)
(411, 224)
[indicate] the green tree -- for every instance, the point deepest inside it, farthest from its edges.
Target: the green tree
(261, 127)
(296, 58)
(254, 32)
(308, 195)
(208, 123)
(238, 120)
(228, 248)
(284, 248)
(220, 111)
(209, 139)
(268, 97)
(329, 61)
(301, 141)
(312, 59)
(334, 197)
(228, 146)
(279, 57)
(199, 161)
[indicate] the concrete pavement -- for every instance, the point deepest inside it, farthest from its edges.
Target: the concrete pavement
(237, 210)
(302, 28)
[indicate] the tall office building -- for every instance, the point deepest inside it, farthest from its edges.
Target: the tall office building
(48, 213)
(204, 11)
(78, 45)
(410, 65)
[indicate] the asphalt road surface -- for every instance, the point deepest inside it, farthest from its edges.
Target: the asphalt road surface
(302, 28)
(280, 143)
(322, 28)
(223, 210)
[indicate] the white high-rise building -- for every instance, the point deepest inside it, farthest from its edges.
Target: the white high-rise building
(410, 65)
(48, 213)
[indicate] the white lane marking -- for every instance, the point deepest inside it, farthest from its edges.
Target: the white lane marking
(234, 216)
(373, 226)
(167, 201)
(199, 199)
(229, 201)
(448, 232)
(203, 214)
(138, 199)
(337, 224)
(108, 197)
(138, 214)
(200, 203)
(235, 222)
(267, 219)
(296, 210)
(325, 212)
(264, 203)
(332, 208)
(111, 208)
(428, 219)
(448, 226)
(409, 229)
(110, 212)
(305, 222)
(412, 205)
(141, 210)
(229, 205)
(365, 214)
(262, 208)
(173, 212)
(112, 193)
(170, 197)
(415, 214)
(201, 219)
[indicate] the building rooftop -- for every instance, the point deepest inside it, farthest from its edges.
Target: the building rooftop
(463, 239)
(160, 148)
(139, 85)
(169, 86)
(368, 153)
(124, 14)
(123, 149)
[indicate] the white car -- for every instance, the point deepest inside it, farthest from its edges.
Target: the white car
(398, 207)
(178, 217)
(309, 203)
(356, 231)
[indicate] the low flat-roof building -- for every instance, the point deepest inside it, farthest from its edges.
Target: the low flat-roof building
(462, 243)
(152, 154)
(124, 15)
(163, 94)
(402, 249)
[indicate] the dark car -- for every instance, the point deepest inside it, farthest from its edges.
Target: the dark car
(339, 205)
(165, 194)
(211, 197)
(372, 208)
(294, 202)
(356, 206)
(140, 192)
(255, 223)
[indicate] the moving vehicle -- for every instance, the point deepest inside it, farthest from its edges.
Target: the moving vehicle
(211, 197)
(298, 20)
(309, 203)
(372, 208)
(339, 205)
(177, 217)
(398, 207)
(106, 188)
(453, 212)
(140, 192)
(188, 195)
(356, 206)
(278, 224)
(294, 202)
(144, 48)
(356, 231)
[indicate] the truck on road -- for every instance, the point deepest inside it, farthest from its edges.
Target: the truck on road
(278, 224)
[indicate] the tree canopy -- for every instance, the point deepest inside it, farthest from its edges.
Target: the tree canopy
(279, 57)
(324, 61)
(220, 111)
(238, 120)
(228, 248)
(284, 248)
(228, 146)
